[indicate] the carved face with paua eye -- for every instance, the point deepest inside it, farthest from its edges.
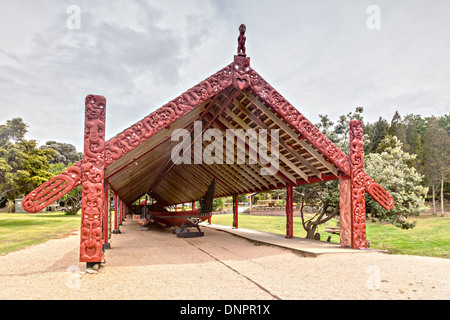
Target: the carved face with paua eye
(356, 128)
(241, 72)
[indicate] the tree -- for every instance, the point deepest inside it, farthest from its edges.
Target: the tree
(376, 133)
(13, 131)
(391, 170)
(64, 152)
(397, 129)
(23, 166)
(436, 158)
(414, 140)
(72, 199)
(339, 133)
(324, 196)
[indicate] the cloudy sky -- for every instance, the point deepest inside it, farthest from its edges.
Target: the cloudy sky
(325, 57)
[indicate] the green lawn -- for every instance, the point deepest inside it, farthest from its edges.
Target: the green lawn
(18, 231)
(430, 237)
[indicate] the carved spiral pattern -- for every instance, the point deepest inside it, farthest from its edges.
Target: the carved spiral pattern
(164, 116)
(357, 178)
(92, 178)
(298, 121)
(53, 189)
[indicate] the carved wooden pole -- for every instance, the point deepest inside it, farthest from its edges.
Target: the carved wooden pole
(120, 212)
(116, 216)
(357, 177)
(235, 211)
(289, 210)
(92, 177)
(345, 211)
(106, 244)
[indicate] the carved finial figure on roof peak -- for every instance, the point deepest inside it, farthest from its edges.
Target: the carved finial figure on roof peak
(241, 40)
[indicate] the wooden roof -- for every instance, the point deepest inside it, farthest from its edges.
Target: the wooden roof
(138, 160)
(148, 167)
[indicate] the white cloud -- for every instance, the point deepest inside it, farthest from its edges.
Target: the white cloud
(141, 54)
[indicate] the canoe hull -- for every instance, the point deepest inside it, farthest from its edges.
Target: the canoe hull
(177, 218)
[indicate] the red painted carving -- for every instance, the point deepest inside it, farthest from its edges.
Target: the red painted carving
(53, 189)
(241, 40)
(289, 211)
(164, 116)
(378, 193)
(357, 178)
(92, 178)
(345, 212)
(298, 121)
(130, 138)
(241, 76)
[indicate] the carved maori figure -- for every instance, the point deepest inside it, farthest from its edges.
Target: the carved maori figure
(357, 177)
(241, 40)
(241, 75)
(92, 178)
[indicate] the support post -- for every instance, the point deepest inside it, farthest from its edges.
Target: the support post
(106, 244)
(289, 210)
(116, 217)
(357, 175)
(345, 212)
(235, 211)
(92, 177)
(120, 212)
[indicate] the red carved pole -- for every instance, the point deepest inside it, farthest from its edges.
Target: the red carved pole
(357, 177)
(92, 177)
(115, 212)
(120, 211)
(289, 210)
(106, 244)
(345, 212)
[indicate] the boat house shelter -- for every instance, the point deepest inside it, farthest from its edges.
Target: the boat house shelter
(159, 156)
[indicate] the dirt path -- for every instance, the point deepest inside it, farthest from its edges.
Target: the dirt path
(156, 265)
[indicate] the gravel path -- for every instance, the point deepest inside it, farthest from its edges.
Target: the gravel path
(156, 265)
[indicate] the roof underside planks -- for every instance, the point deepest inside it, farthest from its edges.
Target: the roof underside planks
(148, 167)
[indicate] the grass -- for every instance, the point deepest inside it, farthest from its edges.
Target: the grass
(430, 237)
(18, 231)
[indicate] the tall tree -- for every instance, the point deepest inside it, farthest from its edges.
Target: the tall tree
(23, 166)
(65, 153)
(391, 169)
(436, 158)
(397, 129)
(414, 140)
(13, 130)
(376, 133)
